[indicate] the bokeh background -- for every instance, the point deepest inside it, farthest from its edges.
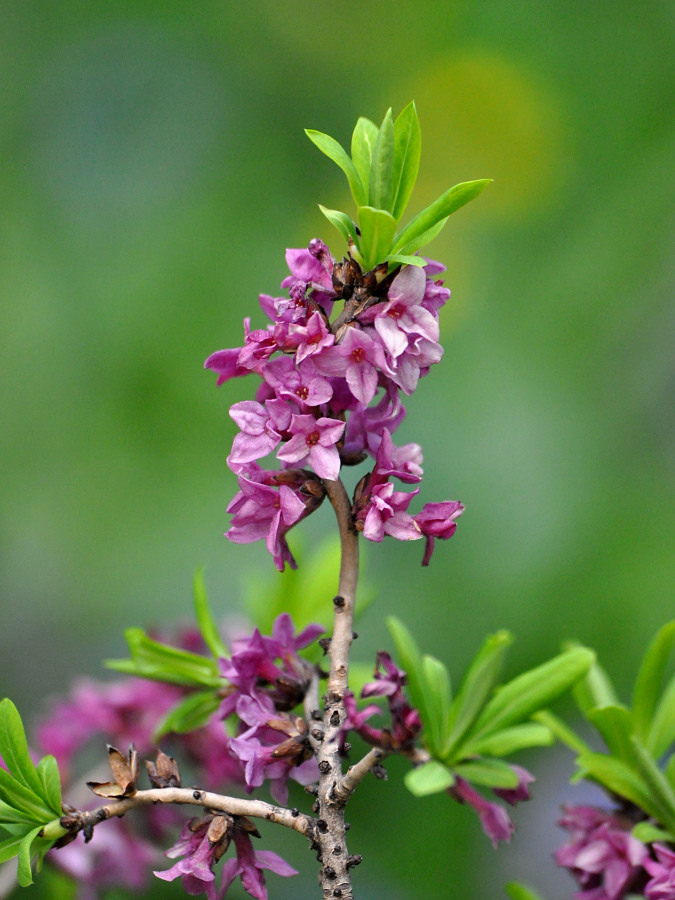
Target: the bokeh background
(154, 169)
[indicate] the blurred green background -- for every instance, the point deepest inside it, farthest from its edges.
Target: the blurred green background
(155, 169)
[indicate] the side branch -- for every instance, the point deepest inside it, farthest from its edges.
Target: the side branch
(356, 773)
(235, 806)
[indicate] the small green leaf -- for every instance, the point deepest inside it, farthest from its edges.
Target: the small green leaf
(476, 687)
(518, 891)
(423, 239)
(660, 790)
(363, 144)
(48, 771)
(662, 727)
(189, 714)
(205, 619)
(492, 773)
(400, 259)
(10, 815)
(24, 872)
(407, 151)
(14, 747)
(430, 778)
(648, 682)
(564, 734)
(448, 203)
(409, 658)
(9, 846)
(617, 777)
(669, 771)
(342, 222)
(533, 690)
(377, 234)
(160, 662)
(596, 689)
(503, 743)
(648, 833)
(338, 154)
(381, 190)
(22, 799)
(438, 695)
(615, 724)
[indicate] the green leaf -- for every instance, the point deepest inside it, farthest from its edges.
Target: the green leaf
(505, 742)
(14, 747)
(407, 151)
(8, 814)
(669, 771)
(430, 778)
(423, 239)
(619, 778)
(363, 144)
(615, 724)
(160, 662)
(448, 203)
(48, 771)
(377, 234)
(596, 689)
(660, 790)
(402, 260)
(381, 189)
(9, 847)
(338, 154)
(24, 872)
(477, 685)
(205, 619)
(648, 833)
(438, 695)
(21, 798)
(662, 728)
(533, 690)
(409, 658)
(564, 734)
(649, 678)
(189, 714)
(518, 891)
(342, 222)
(492, 773)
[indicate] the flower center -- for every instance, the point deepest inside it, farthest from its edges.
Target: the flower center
(302, 392)
(396, 312)
(312, 439)
(358, 354)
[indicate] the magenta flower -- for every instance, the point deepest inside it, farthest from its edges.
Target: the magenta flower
(262, 426)
(357, 358)
(437, 520)
(603, 856)
(494, 819)
(403, 316)
(310, 339)
(249, 865)
(314, 440)
(521, 791)
(661, 885)
(302, 383)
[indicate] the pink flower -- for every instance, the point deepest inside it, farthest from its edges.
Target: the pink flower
(249, 866)
(357, 358)
(495, 820)
(314, 440)
(303, 383)
(661, 886)
(437, 520)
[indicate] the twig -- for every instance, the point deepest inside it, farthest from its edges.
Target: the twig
(356, 773)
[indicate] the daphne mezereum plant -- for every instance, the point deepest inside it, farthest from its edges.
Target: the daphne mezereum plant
(245, 711)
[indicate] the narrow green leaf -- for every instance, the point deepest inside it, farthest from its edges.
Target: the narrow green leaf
(409, 658)
(648, 833)
(449, 202)
(189, 714)
(338, 154)
(533, 690)
(615, 724)
(430, 778)
(14, 747)
(669, 771)
(438, 696)
(564, 734)
(24, 873)
(401, 259)
(9, 847)
(10, 815)
(48, 771)
(518, 891)
(492, 773)
(660, 790)
(381, 191)
(377, 233)
(662, 727)
(342, 222)
(596, 689)
(422, 239)
(617, 777)
(649, 678)
(160, 662)
(505, 742)
(21, 798)
(407, 151)
(477, 685)
(205, 619)
(363, 144)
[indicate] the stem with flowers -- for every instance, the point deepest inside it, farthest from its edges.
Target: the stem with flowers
(347, 342)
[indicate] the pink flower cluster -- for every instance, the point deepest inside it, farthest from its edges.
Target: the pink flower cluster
(330, 395)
